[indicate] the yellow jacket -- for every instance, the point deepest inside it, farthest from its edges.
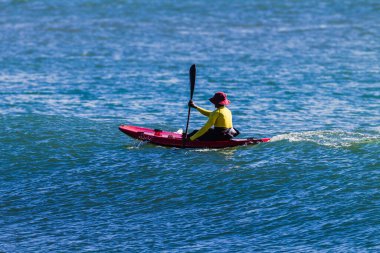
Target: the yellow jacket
(220, 117)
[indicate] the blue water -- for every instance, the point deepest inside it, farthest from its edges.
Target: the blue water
(305, 73)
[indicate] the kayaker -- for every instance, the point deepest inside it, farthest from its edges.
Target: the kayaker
(220, 118)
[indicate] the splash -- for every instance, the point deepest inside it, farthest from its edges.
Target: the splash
(332, 138)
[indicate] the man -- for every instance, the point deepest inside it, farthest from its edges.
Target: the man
(220, 118)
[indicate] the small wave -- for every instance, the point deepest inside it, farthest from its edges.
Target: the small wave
(331, 138)
(377, 129)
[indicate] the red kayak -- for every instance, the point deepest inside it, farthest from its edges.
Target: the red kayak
(170, 139)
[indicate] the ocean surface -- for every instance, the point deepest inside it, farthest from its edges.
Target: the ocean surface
(306, 73)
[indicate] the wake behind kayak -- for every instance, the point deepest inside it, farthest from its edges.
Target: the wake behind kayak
(171, 139)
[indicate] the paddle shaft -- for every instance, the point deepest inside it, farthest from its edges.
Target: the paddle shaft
(192, 74)
(188, 120)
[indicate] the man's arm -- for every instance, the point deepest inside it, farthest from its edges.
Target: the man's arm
(203, 130)
(203, 111)
(200, 109)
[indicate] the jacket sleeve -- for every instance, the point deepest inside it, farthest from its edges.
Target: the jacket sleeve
(209, 123)
(203, 111)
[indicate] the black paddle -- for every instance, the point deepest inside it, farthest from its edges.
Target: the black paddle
(192, 73)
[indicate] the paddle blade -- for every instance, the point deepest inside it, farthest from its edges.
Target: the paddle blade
(192, 74)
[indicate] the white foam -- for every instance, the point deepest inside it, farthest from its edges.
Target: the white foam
(332, 138)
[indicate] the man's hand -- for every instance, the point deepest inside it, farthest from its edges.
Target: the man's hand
(191, 104)
(188, 138)
(185, 136)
